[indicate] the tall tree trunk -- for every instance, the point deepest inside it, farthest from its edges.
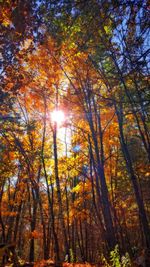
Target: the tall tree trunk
(110, 234)
(49, 195)
(139, 200)
(33, 225)
(59, 192)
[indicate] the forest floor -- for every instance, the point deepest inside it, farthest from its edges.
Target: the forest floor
(44, 263)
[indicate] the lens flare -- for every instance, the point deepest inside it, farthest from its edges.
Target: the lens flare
(58, 116)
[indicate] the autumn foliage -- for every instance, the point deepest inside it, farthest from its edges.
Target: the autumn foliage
(74, 190)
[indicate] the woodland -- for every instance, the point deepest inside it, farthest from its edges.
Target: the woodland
(74, 133)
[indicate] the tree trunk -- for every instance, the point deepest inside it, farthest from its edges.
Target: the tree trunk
(134, 180)
(59, 192)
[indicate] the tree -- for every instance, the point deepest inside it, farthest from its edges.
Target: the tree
(74, 197)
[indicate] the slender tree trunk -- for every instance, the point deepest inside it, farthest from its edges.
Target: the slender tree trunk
(17, 221)
(110, 234)
(3, 237)
(59, 192)
(134, 180)
(33, 225)
(49, 195)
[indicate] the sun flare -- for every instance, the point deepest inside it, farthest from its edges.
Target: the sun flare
(58, 116)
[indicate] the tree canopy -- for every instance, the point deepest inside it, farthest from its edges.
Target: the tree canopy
(74, 132)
